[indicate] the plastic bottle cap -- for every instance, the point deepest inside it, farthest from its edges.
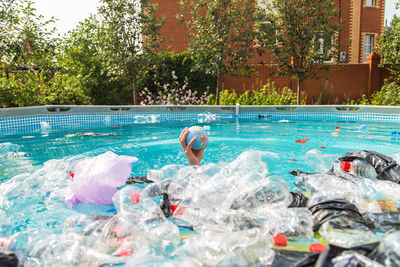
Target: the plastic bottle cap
(345, 165)
(337, 128)
(72, 174)
(322, 147)
(317, 247)
(280, 240)
(125, 252)
(135, 197)
(176, 210)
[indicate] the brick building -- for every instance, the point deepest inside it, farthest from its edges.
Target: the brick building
(363, 22)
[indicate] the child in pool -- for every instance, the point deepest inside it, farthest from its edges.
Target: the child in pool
(194, 157)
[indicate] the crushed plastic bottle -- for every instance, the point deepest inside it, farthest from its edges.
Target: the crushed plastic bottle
(224, 248)
(273, 192)
(359, 168)
(319, 162)
(166, 172)
(345, 232)
(388, 251)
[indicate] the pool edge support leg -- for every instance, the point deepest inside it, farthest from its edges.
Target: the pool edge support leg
(237, 109)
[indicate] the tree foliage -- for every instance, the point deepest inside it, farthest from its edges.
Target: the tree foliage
(389, 48)
(29, 70)
(82, 57)
(26, 42)
(221, 34)
(301, 35)
(131, 36)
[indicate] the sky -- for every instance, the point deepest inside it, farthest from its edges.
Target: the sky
(70, 12)
(67, 12)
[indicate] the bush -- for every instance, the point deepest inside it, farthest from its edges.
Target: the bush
(32, 88)
(182, 66)
(389, 95)
(173, 94)
(267, 95)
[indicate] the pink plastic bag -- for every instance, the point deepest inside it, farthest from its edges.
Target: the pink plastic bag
(96, 179)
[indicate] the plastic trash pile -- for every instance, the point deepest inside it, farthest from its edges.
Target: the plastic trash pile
(218, 214)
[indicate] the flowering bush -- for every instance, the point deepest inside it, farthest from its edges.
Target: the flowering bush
(173, 94)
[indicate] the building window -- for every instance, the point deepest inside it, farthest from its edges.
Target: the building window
(368, 45)
(370, 2)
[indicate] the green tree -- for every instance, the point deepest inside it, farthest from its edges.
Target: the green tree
(26, 42)
(389, 48)
(301, 35)
(131, 36)
(221, 34)
(82, 58)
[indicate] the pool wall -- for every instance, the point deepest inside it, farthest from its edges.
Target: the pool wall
(45, 119)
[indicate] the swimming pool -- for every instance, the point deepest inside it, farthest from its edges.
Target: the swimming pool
(34, 170)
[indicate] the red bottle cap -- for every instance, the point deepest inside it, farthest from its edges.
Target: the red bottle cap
(337, 128)
(176, 210)
(72, 174)
(125, 252)
(345, 165)
(135, 197)
(322, 146)
(280, 240)
(317, 247)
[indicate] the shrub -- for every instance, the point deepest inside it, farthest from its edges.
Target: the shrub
(388, 95)
(173, 94)
(267, 95)
(32, 88)
(183, 67)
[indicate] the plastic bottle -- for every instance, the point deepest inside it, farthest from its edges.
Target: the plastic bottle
(359, 168)
(271, 192)
(198, 218)
(166, 172)
(388, 251)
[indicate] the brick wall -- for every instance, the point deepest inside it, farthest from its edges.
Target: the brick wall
(340, 82)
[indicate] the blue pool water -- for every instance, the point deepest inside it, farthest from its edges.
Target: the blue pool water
(36, 164)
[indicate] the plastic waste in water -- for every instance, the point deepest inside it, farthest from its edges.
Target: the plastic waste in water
(166, 172)
(358, 168)
(225, 248)
(272, 191)
(319, 162)
(206, 117)
(96, 179)
(388, 251)
(6, 242)
(346, 232)
(45, 127)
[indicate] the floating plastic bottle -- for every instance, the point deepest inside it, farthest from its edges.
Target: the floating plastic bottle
(345, 232)
(319, 162)
(271, 192)
(225, 248)
(166, 172)
(359, 168)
